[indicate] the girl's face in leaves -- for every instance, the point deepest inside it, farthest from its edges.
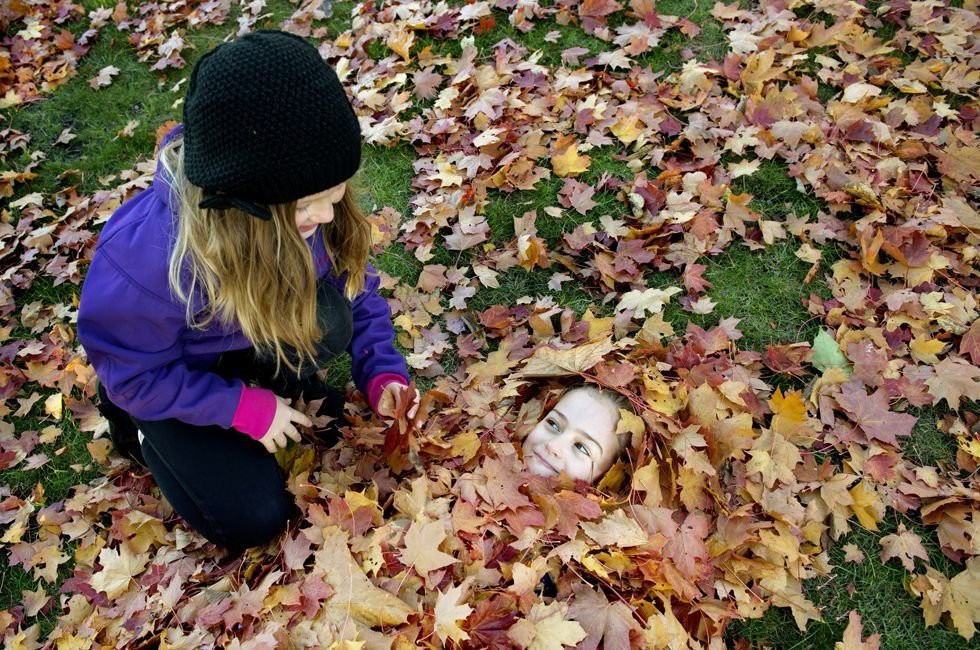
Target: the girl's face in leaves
(578, 437)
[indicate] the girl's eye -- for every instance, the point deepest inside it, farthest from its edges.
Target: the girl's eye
(553, 424)
(581, 446)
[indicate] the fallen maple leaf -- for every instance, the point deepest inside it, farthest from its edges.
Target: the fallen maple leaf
(353, 592)
(546, 628)
(607, 623)
(970, 343)
(852, 636)
(565, 158)
(826, 352)
(616, 529)
(872, 414)
(449, 611)
(422, 547)
(650, 301)
(955, 379)
(118, 570)
(104, 77)
(549, 362)
(905, 545)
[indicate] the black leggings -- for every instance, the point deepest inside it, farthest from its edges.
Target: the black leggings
(224, 483)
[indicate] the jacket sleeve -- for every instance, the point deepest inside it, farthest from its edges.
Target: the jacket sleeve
(372, 348)
(133, 338)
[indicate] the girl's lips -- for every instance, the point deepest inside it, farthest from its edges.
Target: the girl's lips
(546, 463)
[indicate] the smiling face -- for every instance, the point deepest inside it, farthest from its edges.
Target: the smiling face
(318, 208)
(578, 437)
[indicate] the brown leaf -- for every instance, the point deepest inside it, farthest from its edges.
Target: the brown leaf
(905, 545)
(852, 636)
(549, 362)
(872, 414)
(607, 623)
(955, 379)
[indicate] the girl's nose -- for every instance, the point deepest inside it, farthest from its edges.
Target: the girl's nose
(553, 448)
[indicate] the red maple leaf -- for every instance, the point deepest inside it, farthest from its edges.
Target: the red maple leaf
(872, 414)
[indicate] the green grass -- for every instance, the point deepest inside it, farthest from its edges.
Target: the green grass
(774, 192)
(762, 288)
(517, 283)
(874, 589)
(928, 445)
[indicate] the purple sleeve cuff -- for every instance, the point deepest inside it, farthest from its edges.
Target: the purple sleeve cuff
(377, 385)
(256, 408)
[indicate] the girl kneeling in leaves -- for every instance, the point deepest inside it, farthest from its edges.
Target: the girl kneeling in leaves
(216, 294)
(578, 435)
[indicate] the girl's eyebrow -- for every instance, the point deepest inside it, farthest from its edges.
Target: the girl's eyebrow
(602, 449)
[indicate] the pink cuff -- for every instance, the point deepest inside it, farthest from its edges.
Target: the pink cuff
(256, 408)
(377, 385)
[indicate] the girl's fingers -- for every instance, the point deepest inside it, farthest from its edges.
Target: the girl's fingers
(415, 404)
(300, 418)
(293, 433)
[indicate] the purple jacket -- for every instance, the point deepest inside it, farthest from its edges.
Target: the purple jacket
(155, 367)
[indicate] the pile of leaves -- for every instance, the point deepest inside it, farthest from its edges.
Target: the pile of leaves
(735, 485)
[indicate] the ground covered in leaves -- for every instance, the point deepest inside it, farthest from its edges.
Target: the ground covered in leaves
(633, 194)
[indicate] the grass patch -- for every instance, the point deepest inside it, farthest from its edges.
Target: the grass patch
(67, 453)
(774, 192)
(386, 177)
(517, 283)
(928, 445)
(97, 116)
(709, 44)
(762, 288)
(874, 589)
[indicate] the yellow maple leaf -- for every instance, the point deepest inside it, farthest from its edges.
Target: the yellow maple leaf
(141, 530)
(546, 628)
(664, 630)
(118, 569)
(466, 445)
(774, 458)
(566, 160)
(962, 599)
(449, 612)
(789, 416)
(354, 595)
(616, 529)
(789, 406)
(496, 365)
(422, 547)
(925, 350)
(400, 42)
(549, 362)
(867, 507)
(627, 129)
(53, 405)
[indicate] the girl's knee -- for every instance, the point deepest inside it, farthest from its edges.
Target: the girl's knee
(259, 523)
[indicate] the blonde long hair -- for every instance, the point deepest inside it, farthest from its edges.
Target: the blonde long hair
(259, 274)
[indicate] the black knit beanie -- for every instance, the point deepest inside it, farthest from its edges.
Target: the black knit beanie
(267, 121)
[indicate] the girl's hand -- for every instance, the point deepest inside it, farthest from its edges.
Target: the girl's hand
(395, 393)
(283, 427)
